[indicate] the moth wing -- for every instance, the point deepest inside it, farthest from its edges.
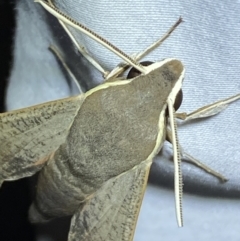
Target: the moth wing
(112, 212)
(29, 136)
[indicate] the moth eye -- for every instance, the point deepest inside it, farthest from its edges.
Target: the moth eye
(178, 100)
(134, 72)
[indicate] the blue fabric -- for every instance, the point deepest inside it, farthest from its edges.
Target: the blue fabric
(208, 45)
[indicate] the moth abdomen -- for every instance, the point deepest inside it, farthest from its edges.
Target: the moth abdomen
(58, 192)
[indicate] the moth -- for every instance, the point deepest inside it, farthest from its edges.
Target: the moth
(95, 150)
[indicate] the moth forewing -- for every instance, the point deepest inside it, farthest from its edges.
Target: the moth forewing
(30, 136)
(111, 212)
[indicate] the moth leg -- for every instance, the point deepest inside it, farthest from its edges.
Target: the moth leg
(81, 48)
(123, 66)
(208, 110)
(188, 158)
(61, 60)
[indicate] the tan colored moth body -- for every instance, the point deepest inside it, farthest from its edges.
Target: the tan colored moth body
(117, 127)
(96, 149)
(99, 147)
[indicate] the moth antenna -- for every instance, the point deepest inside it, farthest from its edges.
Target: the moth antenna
(81, 48)
(120, 68)
(69, 21)
(156, 44)
(50, 3)
(177, 164)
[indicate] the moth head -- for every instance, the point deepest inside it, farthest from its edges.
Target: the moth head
(135, 72)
